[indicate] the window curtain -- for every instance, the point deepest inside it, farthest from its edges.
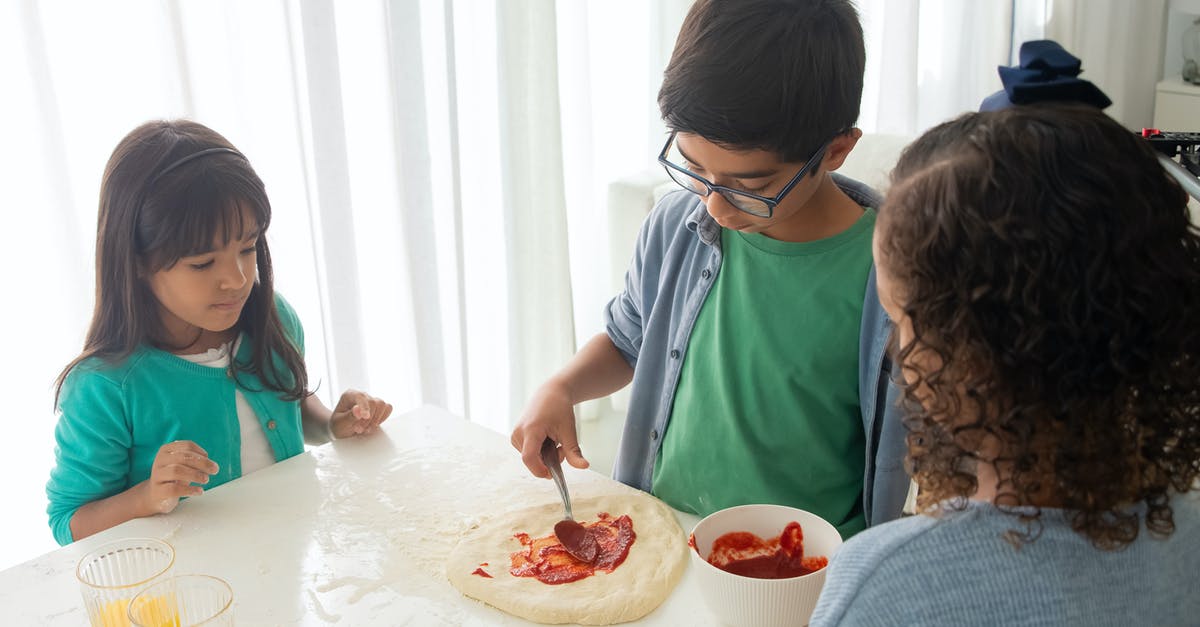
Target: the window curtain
(929, 60)
(413, 154)
(1121, 44)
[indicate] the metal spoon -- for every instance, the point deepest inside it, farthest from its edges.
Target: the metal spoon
(573, 536)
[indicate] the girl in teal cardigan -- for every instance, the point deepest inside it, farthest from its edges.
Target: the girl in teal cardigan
(192, 373)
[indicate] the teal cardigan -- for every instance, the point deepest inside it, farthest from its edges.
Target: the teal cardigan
(114, 418)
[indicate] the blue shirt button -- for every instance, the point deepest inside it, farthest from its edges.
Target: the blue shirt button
(654, 435)
(705, 273)
(674, 353)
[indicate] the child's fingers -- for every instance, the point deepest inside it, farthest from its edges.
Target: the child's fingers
(368, 412)
(362, 418)
(178, 488)
(187, 453)
(379, 412)
(183, 473)
(569, 448)
(361, 413)
(179, 447)
(385, 410)
(531, 451)
(165, 495)
(173, 490)
(204, 464)
(359, 402)
(189, 459)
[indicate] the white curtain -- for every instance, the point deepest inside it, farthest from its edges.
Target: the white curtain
(412, 151)
(1121, 43)
(438, 168)
(929, 60)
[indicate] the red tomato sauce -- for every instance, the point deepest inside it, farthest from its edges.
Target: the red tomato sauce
(748, 555)
(547, 560)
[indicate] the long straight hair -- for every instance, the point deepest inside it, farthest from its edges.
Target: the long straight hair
(154, 211)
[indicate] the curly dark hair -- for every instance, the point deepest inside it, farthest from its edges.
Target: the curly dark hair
(1051, 276)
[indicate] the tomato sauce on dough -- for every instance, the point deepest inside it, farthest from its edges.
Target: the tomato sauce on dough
(547, 560)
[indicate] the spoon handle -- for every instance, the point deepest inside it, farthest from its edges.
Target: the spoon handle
(550, 458)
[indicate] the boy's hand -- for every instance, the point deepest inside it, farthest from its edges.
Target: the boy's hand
(550, 414)
(176, 467)
(357, 413)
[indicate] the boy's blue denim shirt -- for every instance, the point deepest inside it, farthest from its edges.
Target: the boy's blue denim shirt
(675, 263)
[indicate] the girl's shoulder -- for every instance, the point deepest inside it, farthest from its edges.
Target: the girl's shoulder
(881, 542)
(912, 541)
(114, 370)
(284, 307)
(289, 319)
(99, 377)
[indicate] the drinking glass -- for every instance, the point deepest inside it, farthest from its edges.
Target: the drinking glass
(184, 601)
(112, 574)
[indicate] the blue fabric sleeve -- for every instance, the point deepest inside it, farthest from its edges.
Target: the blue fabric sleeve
(623, 314)
(92, 443)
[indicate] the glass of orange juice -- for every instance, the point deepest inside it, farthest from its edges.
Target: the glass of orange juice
(112, 574)
(183, 601)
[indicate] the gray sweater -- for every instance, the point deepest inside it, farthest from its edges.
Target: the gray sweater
(958, 570)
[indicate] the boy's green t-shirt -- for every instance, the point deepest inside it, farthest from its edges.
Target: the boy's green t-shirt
(767, 409)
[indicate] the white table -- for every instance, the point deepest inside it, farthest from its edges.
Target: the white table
(354, 532)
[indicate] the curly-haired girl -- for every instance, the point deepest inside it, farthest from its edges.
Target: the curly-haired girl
(1045, 281)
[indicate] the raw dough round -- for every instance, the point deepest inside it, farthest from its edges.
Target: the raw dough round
(654, 565)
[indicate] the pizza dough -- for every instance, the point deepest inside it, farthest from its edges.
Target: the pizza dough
(654, 565)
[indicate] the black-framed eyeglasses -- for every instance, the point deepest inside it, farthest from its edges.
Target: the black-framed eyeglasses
(753, 204)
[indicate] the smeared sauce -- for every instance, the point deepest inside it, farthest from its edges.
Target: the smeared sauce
(547, 560)
(481, 572)
(743, 553)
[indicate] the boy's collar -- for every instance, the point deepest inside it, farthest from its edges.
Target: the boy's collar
(705, 227)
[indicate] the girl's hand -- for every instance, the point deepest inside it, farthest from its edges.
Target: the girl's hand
(176, 467)
(357, 413)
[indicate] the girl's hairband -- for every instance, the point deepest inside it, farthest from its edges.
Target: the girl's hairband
(194, 155)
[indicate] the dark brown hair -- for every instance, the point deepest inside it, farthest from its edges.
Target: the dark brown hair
(150, 216)
(777, 75)
(1049, 269)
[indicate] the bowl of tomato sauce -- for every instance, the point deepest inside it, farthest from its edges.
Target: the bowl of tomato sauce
(762, 564)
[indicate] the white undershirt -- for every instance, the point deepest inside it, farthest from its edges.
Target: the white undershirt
(256, 451)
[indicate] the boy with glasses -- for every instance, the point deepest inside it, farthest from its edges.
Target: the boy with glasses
(749, 323)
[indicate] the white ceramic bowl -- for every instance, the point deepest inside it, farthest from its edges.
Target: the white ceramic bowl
(747, 601)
